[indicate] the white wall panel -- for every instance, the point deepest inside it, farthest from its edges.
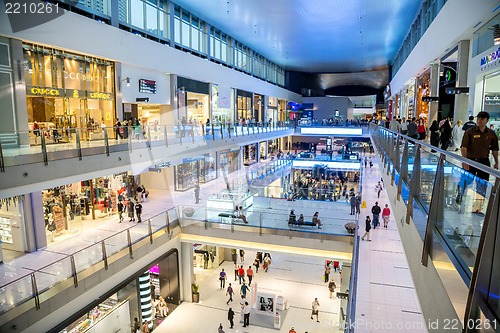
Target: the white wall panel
(76, 33)
(453, 23)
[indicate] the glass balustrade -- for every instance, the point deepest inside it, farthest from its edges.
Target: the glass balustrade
(52, 144)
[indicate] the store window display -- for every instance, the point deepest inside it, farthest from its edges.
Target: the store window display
(194, 171)
(65, 91)
(66, 208)
(250, 154)
(229, 160)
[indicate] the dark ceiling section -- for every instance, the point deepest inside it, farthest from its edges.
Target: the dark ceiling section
(341, 84)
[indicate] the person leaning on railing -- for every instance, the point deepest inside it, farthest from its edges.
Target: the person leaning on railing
(476, 145)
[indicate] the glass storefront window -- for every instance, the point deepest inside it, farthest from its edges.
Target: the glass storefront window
(66, 90)
(491, 100)
(152, 19)
(137, 13)
(250, 154)
(222, 110)
(229, 160)
(198, 108)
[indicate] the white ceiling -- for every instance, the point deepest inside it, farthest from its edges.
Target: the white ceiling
(317, 36)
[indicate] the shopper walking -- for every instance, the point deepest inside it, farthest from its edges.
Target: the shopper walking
(386, 213)
(353, 205)
(241, 274)
(250, 275)
(242, 252)
(138, 211)
(256, 263)
(445, 129)
(243, 290)
(229, 292)
(327, 272)
(434, 129)
(246, 315)
(197, 193)
(376, 213)
(368, 227)
(120, 208)
(235, 272)
(230, 317)
(378, 189)
(457, 135)
(222, 279)
(331, 287)
(130, 208)
(315, 309)
(267, 262)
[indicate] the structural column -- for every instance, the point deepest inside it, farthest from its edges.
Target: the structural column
(462, 100)
(433, 106)
(187, 271)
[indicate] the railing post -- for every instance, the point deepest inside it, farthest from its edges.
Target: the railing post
(34, 290)
(106, 141)
(260, 224)
(150, 232)
(414, 184)
(44, 148)
(2, 163)
(213, 132)
(180, 132)
(78, 143)
(232, 224)
(396, 154)
(192, 133)
(436, 210)
(236, 129)
(165, 133)
(104, 255)
(393, 174)
(167, 218)
(485, 262)
(229, 129)
(148, 141)
(404, 164)
(222, 131)
(130, 131)
(73, 270)
(129, 240)
(206, 223)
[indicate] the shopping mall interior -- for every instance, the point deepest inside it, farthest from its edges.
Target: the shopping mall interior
(184, 166)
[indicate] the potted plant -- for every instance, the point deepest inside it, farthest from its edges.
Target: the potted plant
(234, 256)
(350, 227)
(196, 292)
(188, 211)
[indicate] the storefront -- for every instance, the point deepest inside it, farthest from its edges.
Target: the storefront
(250, 154)
(222, 103)
(263, 150)
(66, 90)
(281, 110)
(244, 105)
(258, 106)
(272, 109)
(193, 101)
(206, 258)
(200, 169)
(273, 146)
(69, 209)
(229, 160)
(12, 232)
(150, 297)
(423, 91)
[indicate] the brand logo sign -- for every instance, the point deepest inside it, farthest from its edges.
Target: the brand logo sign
(487, 59)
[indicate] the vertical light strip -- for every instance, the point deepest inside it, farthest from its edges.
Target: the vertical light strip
(145, 297)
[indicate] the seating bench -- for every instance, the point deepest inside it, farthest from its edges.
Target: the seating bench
(305, 223)
(229, 215)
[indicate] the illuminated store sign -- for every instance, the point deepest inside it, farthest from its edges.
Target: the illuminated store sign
(71, 93)
(327, 164)
(490, 57)
(331, 131)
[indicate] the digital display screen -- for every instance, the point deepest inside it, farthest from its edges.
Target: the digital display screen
(147, 86)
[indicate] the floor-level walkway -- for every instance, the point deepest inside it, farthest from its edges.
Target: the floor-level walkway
(387, 300)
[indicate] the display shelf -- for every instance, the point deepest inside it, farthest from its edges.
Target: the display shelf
(6, 230)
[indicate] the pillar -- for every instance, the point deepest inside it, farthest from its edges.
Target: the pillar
(187, 271)
(462, 100)
(433, 106)
(34, 221)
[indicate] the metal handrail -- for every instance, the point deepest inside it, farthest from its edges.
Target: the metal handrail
(482, 167)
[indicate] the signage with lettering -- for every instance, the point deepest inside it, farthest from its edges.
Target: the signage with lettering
(492, 99)
(430, 99)
(147, 86)
(490, 57)
(49, 92)
(70, 93)
(457, 90)
(99, 95)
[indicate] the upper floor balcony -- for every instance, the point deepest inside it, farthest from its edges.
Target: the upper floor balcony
(59, 156)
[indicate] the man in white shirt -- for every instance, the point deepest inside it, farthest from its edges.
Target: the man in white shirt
(246, 315)
(404, 126)
(315, 309)
(394, 125)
